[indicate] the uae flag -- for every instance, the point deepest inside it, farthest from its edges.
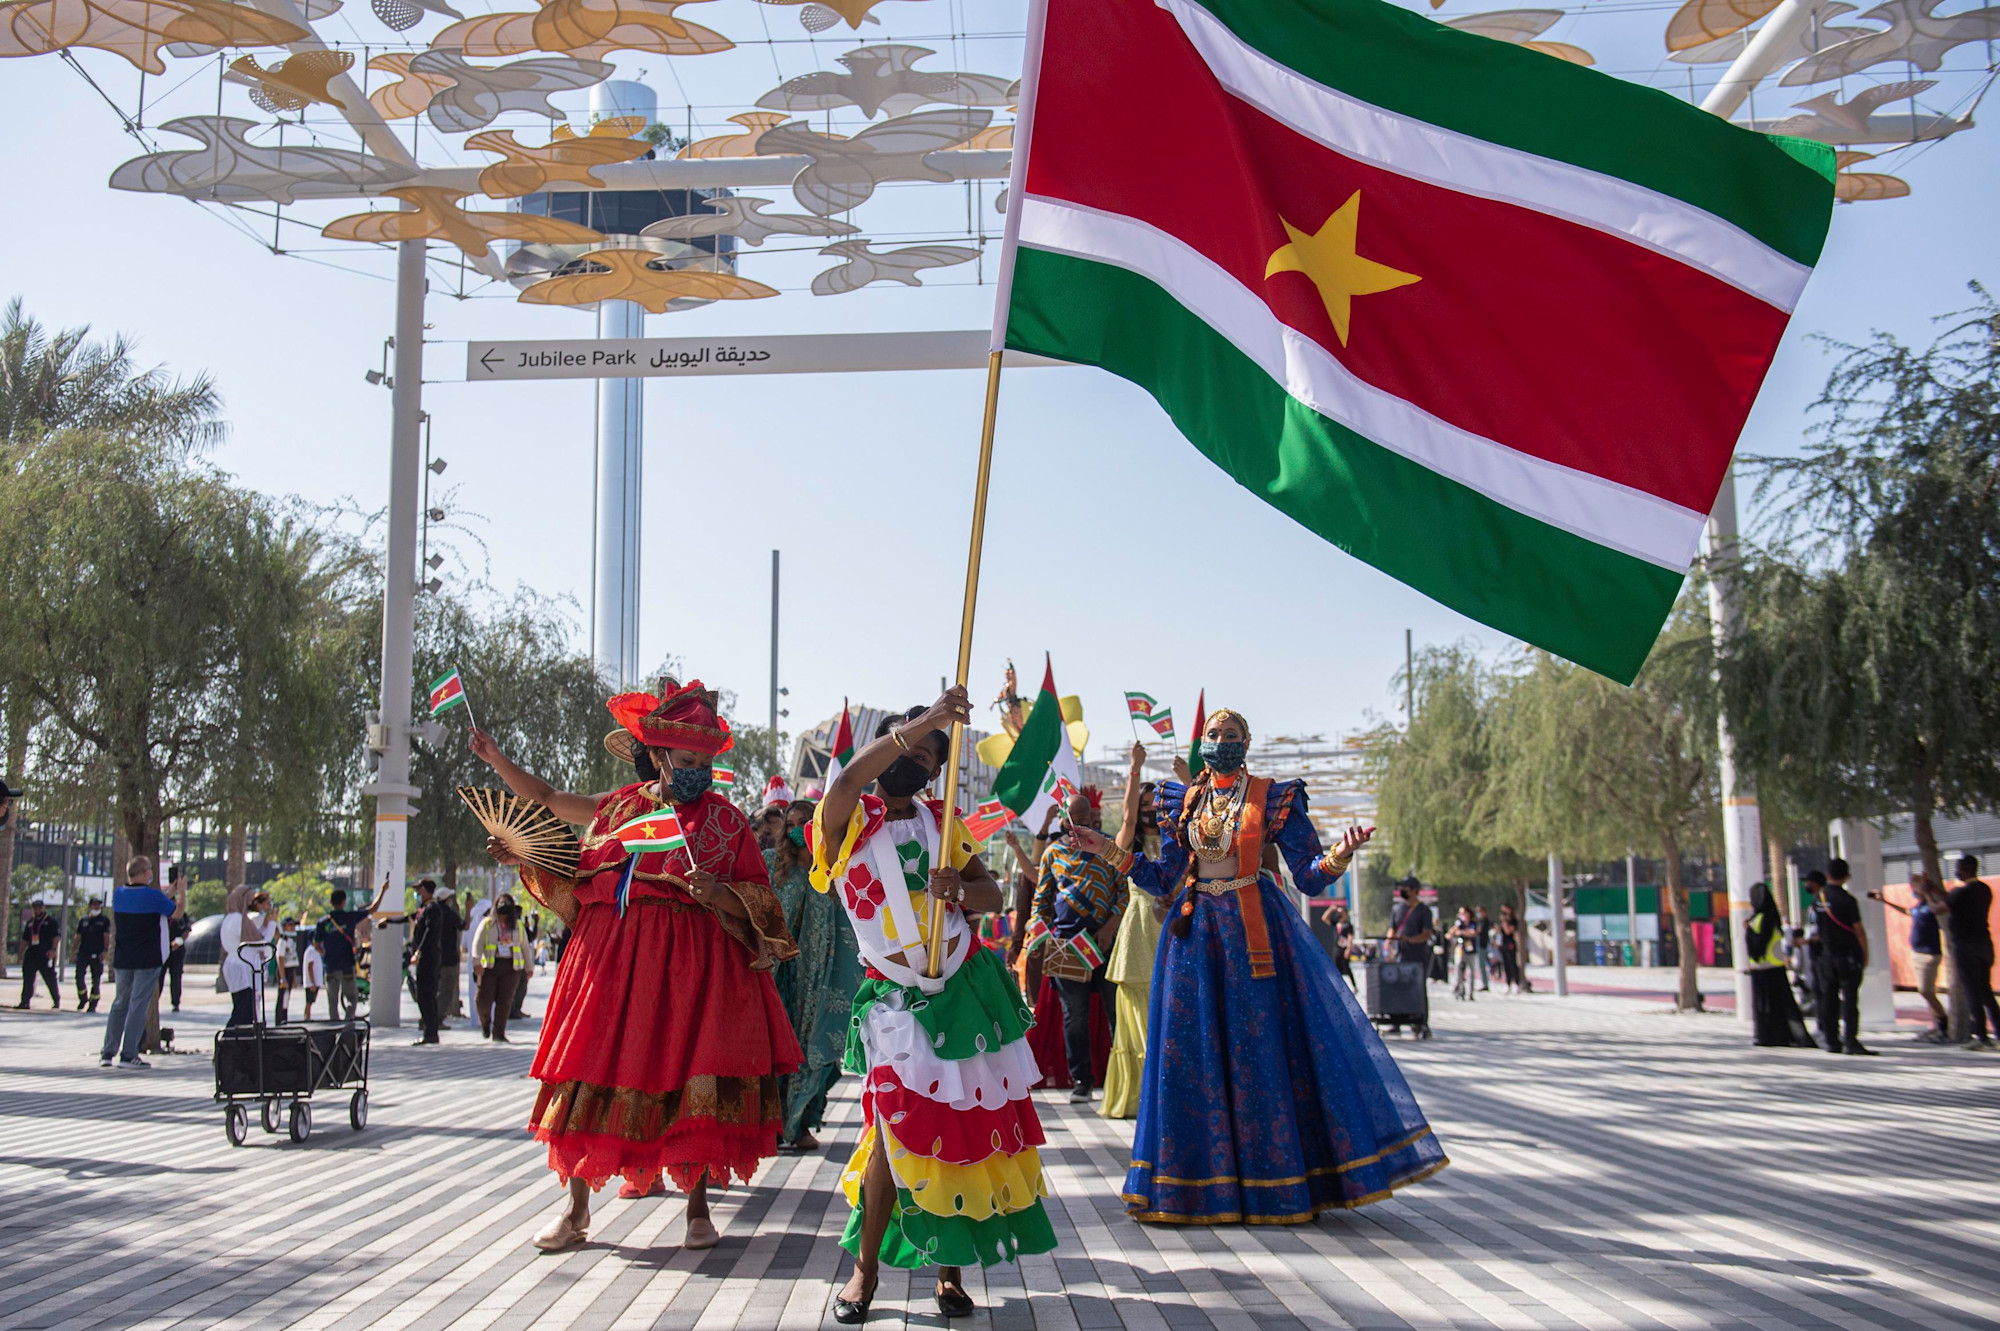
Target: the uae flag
(658, 830)
(447, 690)
(1487, 320)
(1141, 704)
(1041, 755)
(843, 745)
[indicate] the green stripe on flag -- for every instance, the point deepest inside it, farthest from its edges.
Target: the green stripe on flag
(1020, 778)
(1506, 94)
(1592, 605)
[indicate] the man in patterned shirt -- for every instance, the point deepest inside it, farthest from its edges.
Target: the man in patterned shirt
(1078, 893)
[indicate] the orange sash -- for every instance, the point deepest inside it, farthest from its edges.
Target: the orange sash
(1249, 862)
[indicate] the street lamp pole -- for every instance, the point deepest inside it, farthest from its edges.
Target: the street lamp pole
(1742, 826)
(774, 655)
(392, 789)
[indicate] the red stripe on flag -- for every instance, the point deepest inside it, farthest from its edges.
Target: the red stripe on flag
(1555, 339)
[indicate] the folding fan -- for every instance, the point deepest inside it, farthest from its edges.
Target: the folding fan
(529, 832)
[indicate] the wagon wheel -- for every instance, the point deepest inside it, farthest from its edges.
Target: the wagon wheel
(236, 1123)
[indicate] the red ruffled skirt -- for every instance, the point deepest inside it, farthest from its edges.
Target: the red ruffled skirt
(661, 1050)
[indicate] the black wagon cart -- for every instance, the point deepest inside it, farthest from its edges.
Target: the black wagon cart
(279, 1069)
(1392, 994)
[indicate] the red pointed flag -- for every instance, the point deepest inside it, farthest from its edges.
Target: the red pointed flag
(1200, 724)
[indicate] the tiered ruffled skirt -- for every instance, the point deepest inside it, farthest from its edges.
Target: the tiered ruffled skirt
(946, 1095)
(661, 1050)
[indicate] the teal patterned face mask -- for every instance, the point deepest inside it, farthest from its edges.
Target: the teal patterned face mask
(797, 836)
(1224, 755)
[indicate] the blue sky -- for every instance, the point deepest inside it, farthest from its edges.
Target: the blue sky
(1111, 542)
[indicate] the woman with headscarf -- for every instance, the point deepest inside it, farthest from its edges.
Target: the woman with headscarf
(1131, 967)
(1267, 1095)
(818, 985)
(664, 1040)
(946, 1173)
(1775, 1017)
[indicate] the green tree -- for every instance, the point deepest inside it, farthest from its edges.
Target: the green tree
(136, 588)
(52, 381)
(1868, 665)
(758, 754)
(531, 689)
(63, 381)
(1587, 767)
(1433, 779)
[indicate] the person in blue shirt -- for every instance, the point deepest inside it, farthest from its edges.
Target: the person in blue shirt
(1926, 946)
(139, 915)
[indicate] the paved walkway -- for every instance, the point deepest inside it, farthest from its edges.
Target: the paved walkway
(1614, 1166)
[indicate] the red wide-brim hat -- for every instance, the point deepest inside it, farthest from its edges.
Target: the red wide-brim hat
(684, 719)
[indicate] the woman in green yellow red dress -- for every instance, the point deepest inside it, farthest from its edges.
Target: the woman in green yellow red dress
(947, 1172)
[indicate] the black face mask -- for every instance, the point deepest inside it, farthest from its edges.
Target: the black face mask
(691, 783)
(903, 778)
(642, 763)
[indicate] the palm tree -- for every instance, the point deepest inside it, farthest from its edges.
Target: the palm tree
(61, 381)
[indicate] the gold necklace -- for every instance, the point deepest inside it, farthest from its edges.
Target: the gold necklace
(1213, 835)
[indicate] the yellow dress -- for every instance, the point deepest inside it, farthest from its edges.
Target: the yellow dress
(1131, 969)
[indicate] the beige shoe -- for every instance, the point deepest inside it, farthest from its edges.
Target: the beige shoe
(701, 1234)
(562, 1233)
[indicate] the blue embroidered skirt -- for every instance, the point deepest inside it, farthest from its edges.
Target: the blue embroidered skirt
(1265, 1101)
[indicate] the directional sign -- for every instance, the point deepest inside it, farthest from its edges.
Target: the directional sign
(671, 357)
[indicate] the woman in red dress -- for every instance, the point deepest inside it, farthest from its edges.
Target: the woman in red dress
(664, 1038)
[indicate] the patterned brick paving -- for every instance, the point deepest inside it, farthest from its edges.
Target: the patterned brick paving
(1615, 1166)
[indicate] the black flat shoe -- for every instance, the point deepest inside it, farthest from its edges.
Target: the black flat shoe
(955, 1303)
(852, 1312)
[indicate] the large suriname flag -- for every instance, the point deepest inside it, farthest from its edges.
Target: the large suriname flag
(1487, 320)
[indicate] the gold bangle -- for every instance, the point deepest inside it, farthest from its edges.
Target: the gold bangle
(1335, 862)
(896, 733)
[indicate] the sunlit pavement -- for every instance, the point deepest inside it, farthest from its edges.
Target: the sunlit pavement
(1614, 1165)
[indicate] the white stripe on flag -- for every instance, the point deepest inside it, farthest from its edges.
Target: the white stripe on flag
(1460, 162)
(1603, 512)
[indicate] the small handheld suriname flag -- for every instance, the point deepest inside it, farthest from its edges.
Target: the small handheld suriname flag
(988, 818)
(658, 830)
(723, 778)
(1062, 790)
(1140, 704)
(1162, 722)
(447, 690)
(1086, 948)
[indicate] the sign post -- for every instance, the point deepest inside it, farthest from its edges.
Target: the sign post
(675, 357)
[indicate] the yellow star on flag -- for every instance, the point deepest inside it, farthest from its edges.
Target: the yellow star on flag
(1328, 257)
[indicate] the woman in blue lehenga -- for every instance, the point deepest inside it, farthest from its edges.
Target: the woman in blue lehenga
(1267, 1096)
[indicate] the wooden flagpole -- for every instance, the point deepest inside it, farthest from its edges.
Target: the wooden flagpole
(935, 964)
(1024, 128)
